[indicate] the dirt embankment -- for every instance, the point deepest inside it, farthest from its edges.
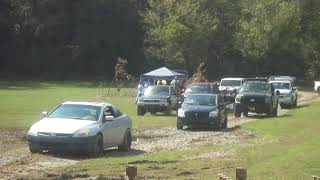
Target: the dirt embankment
(16, 160)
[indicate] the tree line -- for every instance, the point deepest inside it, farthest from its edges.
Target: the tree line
(57, 39)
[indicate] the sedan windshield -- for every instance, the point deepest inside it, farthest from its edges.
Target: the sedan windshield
(76, 111)
(230, 83)
(255, 86)
(201, 100)
(157, 91)
(281, 85)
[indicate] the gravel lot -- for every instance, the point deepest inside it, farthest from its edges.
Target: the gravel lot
(15, 159)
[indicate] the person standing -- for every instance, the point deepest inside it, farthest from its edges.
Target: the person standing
(175, 84)
(140, 91)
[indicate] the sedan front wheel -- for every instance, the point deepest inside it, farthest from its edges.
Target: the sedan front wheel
(97, 148)
(33, 150)
(126, 143)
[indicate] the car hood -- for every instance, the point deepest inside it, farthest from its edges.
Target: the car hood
(60, 125)
(230, 88)
(255, 94)
(156, 97)
(283, 91)
(199, 108)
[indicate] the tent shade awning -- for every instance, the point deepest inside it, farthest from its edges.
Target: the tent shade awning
(163, 73)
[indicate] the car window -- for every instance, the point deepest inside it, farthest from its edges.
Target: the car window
(201, 100)
(230, 83)
(281, 85)
(156, 91)
(255, 86)
(76, 111)
(108, 111)
(194, 89)
(117, 113)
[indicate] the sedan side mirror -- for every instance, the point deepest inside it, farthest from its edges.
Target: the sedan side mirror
(44, 113)
(109, 118)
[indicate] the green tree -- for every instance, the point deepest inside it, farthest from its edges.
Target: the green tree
(178, 33)
(262, 23)
(310, 37)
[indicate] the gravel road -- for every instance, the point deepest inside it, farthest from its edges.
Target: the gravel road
(15, 159)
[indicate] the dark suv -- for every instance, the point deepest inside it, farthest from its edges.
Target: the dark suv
(157, 99)
(257, 95)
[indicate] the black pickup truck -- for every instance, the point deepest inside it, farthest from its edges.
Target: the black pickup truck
(157, 99)
(257, 95)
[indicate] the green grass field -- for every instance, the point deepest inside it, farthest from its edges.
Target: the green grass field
(21, 102)
(284, 147)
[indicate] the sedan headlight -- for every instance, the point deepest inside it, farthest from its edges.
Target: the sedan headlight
(32, 133)
(181, 113)
(213, 114)
(238, 98)
(82, 133)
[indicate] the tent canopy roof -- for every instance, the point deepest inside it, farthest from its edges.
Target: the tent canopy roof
(163, 73)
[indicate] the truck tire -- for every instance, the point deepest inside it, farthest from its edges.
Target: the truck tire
(295, 104)
(179, 126)
(270, 111)
(224, 125)
(168, 111)
(141, 111)
(237, 112)
(245, 113)
(33, 150)
(275, 111)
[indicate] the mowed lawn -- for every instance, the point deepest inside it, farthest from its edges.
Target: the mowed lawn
(21, 102)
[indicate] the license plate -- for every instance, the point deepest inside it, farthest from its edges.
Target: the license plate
(252, 108)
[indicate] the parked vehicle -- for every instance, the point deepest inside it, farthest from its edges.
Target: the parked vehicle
(282, 78)
(157, 99)
(231, 86)
(288, 93)
(198, 88)
(203, 110)
(317, 87)
(257, 96)
(81, 127)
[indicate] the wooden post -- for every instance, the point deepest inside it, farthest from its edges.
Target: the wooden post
(131, 172)
(220, 176)
(241, 173)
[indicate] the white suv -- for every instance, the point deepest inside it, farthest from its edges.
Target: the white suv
(288, 93)
(231, 84)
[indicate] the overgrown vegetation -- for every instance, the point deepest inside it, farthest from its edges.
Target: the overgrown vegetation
(83, 39)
